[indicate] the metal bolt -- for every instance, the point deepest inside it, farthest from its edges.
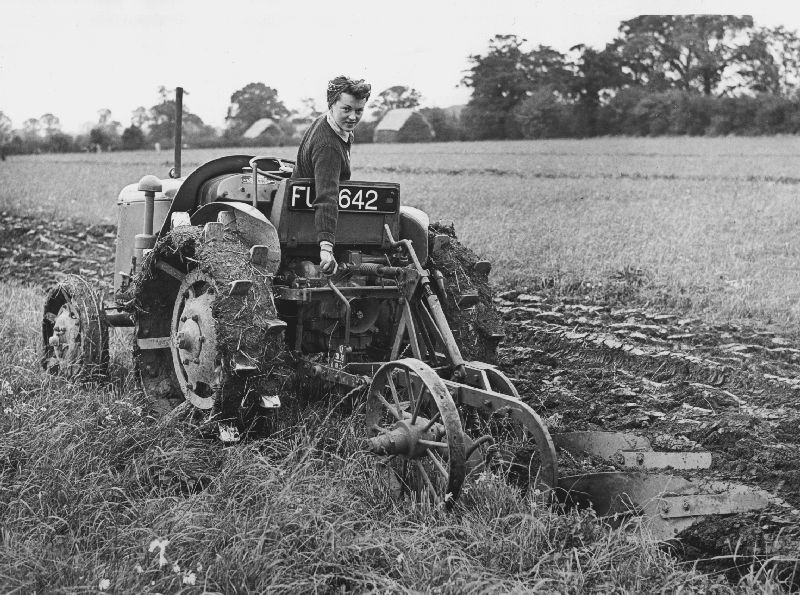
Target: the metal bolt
(197, 360)
(183, 318)
(185, 295)
(186, 361)
(640, 458)
(195, 317)
(685, 504)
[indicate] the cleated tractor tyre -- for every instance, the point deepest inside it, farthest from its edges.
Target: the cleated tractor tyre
(75, 331)
(219, 339)
(462, 283)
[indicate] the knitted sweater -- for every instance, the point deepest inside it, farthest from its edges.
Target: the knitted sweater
(324, 156)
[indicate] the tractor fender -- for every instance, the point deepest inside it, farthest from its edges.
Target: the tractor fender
(414, 226)
(250, 224)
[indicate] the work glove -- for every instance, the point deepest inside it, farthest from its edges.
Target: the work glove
(326, 260)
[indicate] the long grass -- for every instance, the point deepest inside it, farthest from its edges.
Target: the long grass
(97, 496)
(706, 225)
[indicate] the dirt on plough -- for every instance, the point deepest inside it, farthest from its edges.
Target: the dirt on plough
(683, 384)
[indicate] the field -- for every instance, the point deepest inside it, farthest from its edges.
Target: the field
(682, 248)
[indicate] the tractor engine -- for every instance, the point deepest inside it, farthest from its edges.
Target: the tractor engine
(320, 326)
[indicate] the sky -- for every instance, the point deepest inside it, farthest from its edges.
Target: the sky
(75, 57)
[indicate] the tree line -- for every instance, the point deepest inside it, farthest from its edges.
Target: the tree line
(662, 74)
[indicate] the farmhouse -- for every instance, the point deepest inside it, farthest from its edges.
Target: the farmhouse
(403, 125)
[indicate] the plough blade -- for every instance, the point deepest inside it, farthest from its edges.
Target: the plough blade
(669, 504)
(630, 451)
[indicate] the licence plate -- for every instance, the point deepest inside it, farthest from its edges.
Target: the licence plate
(358, 198)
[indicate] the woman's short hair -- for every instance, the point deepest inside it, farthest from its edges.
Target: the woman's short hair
(342, 84)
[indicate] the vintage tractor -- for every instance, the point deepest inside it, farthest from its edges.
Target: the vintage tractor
(217, 274)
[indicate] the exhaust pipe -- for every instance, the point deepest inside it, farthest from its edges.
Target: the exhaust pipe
(176, 170)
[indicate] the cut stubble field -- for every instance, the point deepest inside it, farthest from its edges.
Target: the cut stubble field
(703, 225)
(688, 241)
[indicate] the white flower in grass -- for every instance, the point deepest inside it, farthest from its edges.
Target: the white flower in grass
(161, 544)
(190, 578)
(176, 568)
(104, 584)
(229, 434)
(138, 568)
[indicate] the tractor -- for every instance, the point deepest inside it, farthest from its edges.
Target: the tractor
(217, 274)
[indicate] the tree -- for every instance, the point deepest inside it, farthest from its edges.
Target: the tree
(446, 126)
(597, 75)
(99, 138)
(683, 51)
(31, 128)
(132, 138)
(139, 117)
(398, 96)
(162, 117)
(50, 123)
(103, 116)
(504, 77)
(58, 142)
(5, 128)
(772, 62)
(310, 107)
(251, 103)
(543, 115)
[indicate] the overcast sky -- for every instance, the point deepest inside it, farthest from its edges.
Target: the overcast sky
(73, 57)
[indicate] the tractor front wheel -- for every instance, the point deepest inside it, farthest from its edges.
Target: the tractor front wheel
(74, 331)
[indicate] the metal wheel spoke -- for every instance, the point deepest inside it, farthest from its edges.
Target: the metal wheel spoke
(427, 481)
(395, 412)
(433, 420)
(393, 388)
(433, 444)
(417, 403)
(432, 456)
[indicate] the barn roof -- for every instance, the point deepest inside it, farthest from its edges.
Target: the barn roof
(258, 128)
(395, 119)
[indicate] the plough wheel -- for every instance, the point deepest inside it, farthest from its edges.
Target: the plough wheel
(413, 424)
(507, 434)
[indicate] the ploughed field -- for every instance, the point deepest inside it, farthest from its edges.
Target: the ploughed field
(647, 286)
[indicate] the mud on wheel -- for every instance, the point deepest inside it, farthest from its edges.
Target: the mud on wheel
(414, 426)
(213, 313)
(74, 331)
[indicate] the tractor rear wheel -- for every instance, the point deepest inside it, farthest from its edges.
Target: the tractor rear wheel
(75, 331)
(216, 309)
(413, 425)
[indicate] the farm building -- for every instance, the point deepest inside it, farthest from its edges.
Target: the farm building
(403, 125)
(260, 127)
